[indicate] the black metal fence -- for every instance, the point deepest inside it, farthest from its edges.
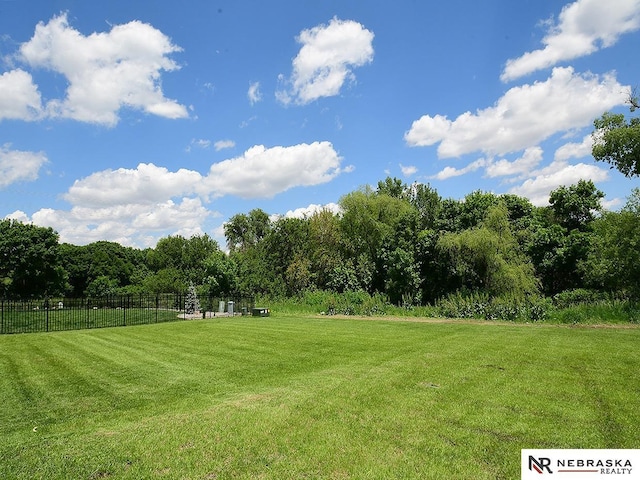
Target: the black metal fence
(55, 314)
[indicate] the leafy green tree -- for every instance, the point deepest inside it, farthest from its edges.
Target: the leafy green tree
(76, 261)
(435, 268)
(617, 140)
(184, 255)
(286, 241)
(402, 281)
(238, 233)
(554, 263)
(421, 196)
(560, 236)
(345, 278)
(252, 255)
(125, 267)
(221, 275)
(196, 250)
(475, 207)
(487, 258)
(298, 275)
(576, 206)
(255, 275)
(522, 217)
(30, 264)
(393, 187)
(166, 280)
(167, 253)
(427, 202)
(367, 219)
(243, 231)
(111, 260)
(613, 261)
(519, 210)
(449, 216)
(326, 252)
(101, 286)
(400, 262)
(381, 234)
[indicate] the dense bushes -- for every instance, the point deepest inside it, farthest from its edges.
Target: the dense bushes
(582, 296)
(571, 307)
(481, 305)
(591, 306)
(330, 303)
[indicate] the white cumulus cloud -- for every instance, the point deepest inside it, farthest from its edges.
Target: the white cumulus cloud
(326, 60)
(522, 166)
(137, 206)
(19, 166)
(583, 27)
(542, 182)
(105, 71)
(408, 170)
(128, 224)
(524, 116)
(451, 172)
(309, 211)
(575, 150)
(259, 173)
(146, 184)
(264, 172)
(19, 96)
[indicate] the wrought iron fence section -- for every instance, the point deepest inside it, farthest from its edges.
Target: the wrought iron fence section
(57, 314)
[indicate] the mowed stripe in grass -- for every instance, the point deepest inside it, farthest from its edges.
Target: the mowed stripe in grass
(311, 398)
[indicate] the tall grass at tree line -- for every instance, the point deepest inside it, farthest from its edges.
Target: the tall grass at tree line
(571, 307)
(329, 303)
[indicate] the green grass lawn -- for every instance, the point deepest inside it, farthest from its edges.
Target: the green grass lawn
(292, 397)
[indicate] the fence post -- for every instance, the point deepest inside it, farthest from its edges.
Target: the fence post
(2, 316)
(142, 305)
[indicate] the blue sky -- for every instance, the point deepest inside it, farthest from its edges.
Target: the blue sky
(130, 121)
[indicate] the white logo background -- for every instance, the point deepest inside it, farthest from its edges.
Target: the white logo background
(580, 464)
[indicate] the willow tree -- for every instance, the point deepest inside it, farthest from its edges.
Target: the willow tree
(487, 258)
(368, 219)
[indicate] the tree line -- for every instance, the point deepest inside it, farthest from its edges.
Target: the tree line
(402, 241)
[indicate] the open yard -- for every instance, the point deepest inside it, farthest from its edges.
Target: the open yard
(293, 397)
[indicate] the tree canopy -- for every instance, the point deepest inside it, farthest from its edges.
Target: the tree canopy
(617, 140)
(401, 241)
(30, 262)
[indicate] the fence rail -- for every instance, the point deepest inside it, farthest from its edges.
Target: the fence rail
(56, 314)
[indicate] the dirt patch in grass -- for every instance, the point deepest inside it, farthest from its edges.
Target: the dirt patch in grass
(250, 400)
